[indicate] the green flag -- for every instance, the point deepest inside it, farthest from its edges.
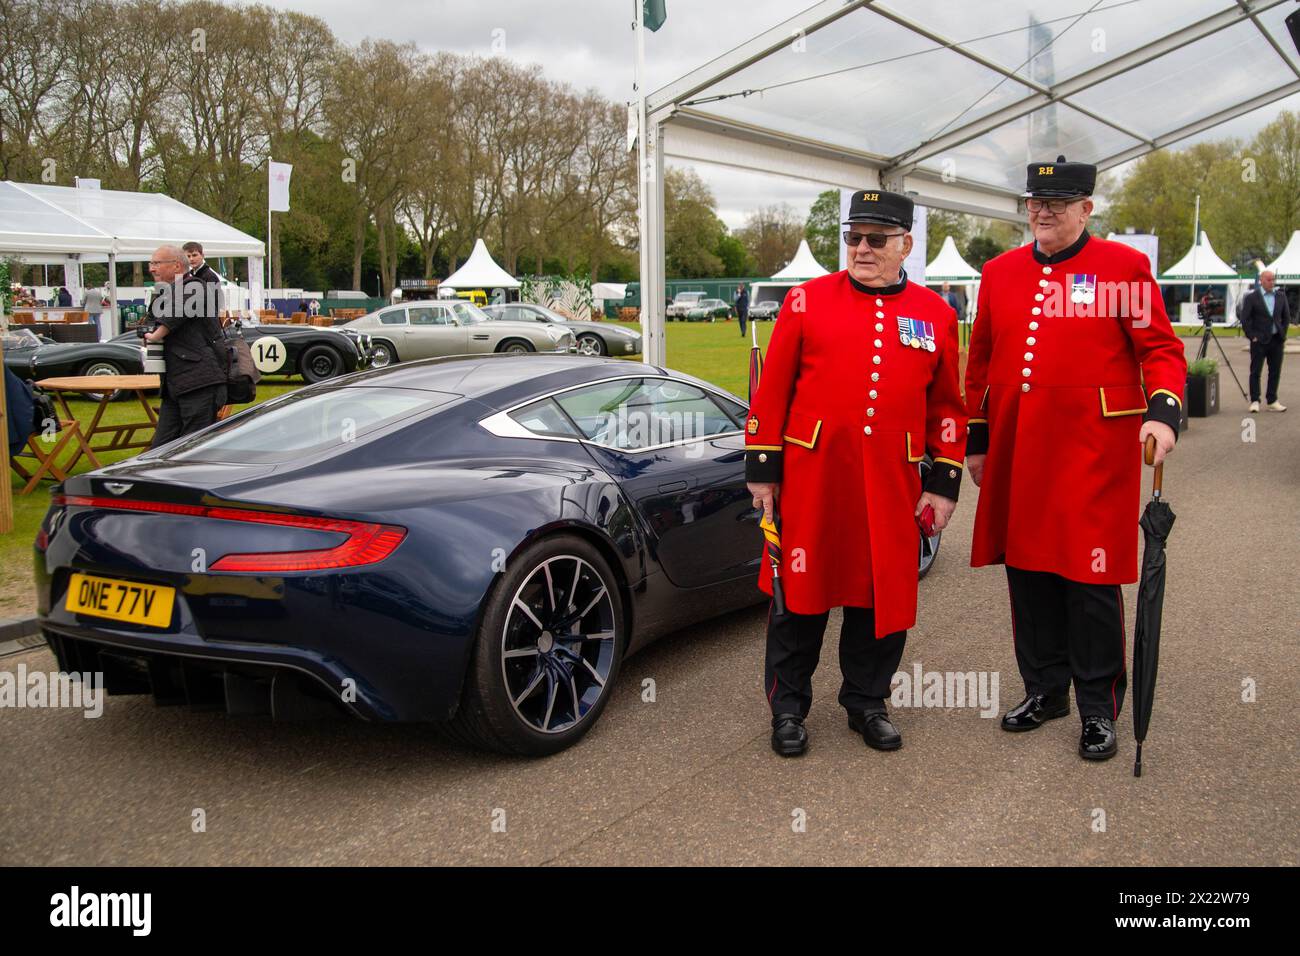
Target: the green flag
(653, 14)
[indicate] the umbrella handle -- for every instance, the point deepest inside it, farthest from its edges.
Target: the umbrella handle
(1150, 455)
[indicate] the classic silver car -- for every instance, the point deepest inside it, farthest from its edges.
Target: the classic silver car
(682, 303)
(594, 338)
(438, 327)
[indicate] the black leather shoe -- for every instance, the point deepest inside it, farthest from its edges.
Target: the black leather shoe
(876, 730)
(789, 737)
(1036, 709)
(1097, 742)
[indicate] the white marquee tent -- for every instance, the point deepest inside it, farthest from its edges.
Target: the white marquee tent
(1287, 265)
(802, 267)
(949, 266)
(949, 101)
(69, 226)
(480, 271)
(1201, 262)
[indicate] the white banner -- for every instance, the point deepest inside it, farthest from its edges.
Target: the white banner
(279, 174)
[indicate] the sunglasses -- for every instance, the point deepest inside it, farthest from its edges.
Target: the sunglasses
(876, 240)
(1055, 206)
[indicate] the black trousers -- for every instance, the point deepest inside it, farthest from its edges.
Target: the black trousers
(1064, 629)
(1260, 352)
(181, 414)
(794, 645)
(742, 316)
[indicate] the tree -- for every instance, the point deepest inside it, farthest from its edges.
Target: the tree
(772, 234)
(939, 224)
(692, 229)
(822, 230)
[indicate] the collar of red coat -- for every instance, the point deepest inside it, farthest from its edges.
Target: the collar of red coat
(1064, 254)
(894, 289)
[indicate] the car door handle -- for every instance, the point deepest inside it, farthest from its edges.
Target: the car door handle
(671, 486)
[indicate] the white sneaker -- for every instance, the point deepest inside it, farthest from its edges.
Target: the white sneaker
(1275, 407)
(1254, 406)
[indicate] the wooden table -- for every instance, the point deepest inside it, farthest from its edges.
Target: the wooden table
(122, 436)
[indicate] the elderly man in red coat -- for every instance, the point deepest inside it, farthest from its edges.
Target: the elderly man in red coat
(860, 383)
(1073, 365)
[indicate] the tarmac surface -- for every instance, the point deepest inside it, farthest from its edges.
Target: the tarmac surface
(689, 778)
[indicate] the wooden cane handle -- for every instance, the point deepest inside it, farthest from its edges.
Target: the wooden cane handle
(1158, 478)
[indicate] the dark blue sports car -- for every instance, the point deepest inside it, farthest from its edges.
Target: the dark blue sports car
(475, 541)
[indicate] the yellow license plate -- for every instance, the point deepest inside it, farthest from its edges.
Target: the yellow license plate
(149, 604)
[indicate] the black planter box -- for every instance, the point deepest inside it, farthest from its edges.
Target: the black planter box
(1202, 395)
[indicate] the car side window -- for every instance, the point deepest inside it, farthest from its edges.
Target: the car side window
(544, 418)
(629, 414)
(393, 317)
(428, 315)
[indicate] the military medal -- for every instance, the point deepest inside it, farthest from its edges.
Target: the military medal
(1083, 288)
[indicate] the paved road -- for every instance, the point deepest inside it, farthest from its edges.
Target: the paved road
(690, 779)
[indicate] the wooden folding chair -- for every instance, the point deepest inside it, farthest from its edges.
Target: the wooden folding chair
(48, 461)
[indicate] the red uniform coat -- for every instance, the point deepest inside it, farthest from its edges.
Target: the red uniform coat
(843, 414)
(1068, 356)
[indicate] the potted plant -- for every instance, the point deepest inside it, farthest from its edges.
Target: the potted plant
(1202, 388)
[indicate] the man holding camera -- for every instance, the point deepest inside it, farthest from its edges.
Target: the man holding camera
(185, 320)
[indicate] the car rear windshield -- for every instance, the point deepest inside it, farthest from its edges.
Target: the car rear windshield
(306, 422)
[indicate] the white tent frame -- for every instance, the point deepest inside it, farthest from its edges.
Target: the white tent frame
(123, 242)
(673, 128)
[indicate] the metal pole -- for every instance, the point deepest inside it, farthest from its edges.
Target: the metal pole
(1196, 241)
(113, 327)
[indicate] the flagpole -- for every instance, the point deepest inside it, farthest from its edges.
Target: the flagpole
(644, 257)
(1196, 241)
(267, 297)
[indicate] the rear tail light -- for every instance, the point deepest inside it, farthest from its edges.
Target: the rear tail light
(42, 539)
(366, 543)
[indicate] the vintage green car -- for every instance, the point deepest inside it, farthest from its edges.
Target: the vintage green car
(709, 309)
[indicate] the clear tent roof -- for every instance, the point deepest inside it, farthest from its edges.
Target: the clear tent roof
(965, 94)
(41, 222)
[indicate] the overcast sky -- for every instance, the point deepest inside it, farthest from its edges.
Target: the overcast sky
(589, 44)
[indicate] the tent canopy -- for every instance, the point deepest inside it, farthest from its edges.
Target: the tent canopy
(949, 266)
(802, 266)
(480, 271)
(1287, 265)
(43, 223)
(1201, 262)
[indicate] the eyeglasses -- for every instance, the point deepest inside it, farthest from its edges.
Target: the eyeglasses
(876, 240)
(1054, 206)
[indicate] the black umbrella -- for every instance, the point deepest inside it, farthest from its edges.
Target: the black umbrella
(771, 529)
(1157, 521)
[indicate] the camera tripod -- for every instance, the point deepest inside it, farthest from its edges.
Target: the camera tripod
(1206, 336)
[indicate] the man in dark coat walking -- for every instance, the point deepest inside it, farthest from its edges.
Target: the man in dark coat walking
(742, 306)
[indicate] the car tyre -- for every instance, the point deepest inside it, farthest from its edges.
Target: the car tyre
(536, 690)
(515, 347)
(320, 362)
(382, 354)
(590, 344)
(103, 367)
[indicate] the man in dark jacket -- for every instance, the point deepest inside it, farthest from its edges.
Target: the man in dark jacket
(185, 309)
(1265, 316)
(742, 307)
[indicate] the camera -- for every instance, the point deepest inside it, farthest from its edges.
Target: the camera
(151, 353)
(1209, 307)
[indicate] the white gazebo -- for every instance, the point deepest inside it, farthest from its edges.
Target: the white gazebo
(480, 271)
(948, 266)
(1286, 267)
(1201, 266)
(70, 226)
(801, 268)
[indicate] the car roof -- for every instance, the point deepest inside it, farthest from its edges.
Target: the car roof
(501, 379)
